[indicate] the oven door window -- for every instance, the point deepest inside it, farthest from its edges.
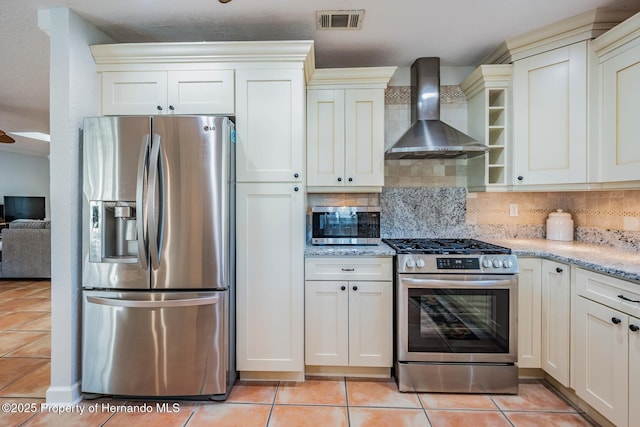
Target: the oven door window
(458, 320)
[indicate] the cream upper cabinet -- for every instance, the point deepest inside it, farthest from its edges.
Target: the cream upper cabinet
(550, 117)
(556, 320)
(606, 370)
(529, 313)
(345, 129)
(488, 92)
(616, 156)
(349, 312)
(168, 92)
(270, 123)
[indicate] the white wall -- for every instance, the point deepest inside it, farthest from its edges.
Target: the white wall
(24, 175)
(73, 95)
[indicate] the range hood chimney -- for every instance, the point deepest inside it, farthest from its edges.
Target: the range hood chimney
(428, 137)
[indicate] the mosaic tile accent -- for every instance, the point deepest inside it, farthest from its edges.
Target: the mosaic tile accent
(449, 94)
(435, 173)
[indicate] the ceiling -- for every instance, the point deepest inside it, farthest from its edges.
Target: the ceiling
(460, 32)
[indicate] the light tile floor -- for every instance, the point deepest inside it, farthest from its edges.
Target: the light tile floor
(24, 378)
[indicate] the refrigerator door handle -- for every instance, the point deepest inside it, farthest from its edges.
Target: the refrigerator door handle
(141, 209)
(152, 190)
(188, 302)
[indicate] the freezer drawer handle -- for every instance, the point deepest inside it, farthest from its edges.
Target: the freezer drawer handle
(190, 302)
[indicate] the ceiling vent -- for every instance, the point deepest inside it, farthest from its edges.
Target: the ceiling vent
(339, 19)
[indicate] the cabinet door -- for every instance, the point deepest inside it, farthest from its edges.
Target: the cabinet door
(364, 137)
(327, 323)
(201, 92)
(134, 92)
(550, 117)
(620, 151)
(270, 122)
(270, 236)
(370, 324)
(325, 137)
(556, 318)
(634, 369)
(601, 359)
(529, 313)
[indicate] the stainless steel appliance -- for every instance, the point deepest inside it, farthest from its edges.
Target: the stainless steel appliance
(346, 225)
(158, 267)
(428, 137)
(456, 316)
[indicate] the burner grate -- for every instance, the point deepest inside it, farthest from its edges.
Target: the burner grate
(445, 246)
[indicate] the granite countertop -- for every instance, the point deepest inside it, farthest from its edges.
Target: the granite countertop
(621, 263)
(381, 249)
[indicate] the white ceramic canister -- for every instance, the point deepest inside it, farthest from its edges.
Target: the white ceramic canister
(560, 226)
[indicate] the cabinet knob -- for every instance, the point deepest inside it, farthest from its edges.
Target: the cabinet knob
(634, 328)
(350, 179)
(355, 288)
(343, 287)
(520, 178)
(616, 321)
(159, 108)
(339, 179)
(559, 270)
(296, 175)
(296, 188)
(171, 107)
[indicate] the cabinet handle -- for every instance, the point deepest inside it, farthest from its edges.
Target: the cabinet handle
(559, 270)
(347, 269)
(339, 179)
(634, 328)
(350, 179)
(355, 288)
(520, 178)
(343, 287)
(296, 175)
(616, 321)
(171, 107)
(628, 299)
(159, 108)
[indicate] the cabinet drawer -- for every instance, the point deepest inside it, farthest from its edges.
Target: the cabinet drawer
(348, 268)
(615, 293)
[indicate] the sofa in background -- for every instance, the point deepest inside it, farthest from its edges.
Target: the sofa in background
(26, 249)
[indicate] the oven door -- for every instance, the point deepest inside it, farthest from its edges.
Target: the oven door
(457, 318)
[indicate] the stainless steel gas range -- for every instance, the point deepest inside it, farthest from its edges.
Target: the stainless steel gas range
(455, 316)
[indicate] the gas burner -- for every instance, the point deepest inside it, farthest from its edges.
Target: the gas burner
(445, 246)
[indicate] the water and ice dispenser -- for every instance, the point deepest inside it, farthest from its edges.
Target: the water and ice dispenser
(113, 232)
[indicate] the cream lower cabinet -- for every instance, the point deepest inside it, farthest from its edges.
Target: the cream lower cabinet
(529, 313)
(607, 346)
(556, 320)
(349, 312)
(550, 117)
(168, 92)
(270, 277)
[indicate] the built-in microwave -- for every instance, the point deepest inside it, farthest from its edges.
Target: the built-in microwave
(345, 225)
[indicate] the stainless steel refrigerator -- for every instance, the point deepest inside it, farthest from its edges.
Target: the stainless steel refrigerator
(158, 256)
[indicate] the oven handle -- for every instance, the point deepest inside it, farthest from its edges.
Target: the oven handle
(457, 283)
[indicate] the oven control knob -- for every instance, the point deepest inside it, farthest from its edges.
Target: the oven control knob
(497, 263)
(486, 263)
(420, 262)
(410, 263)
(507, 263)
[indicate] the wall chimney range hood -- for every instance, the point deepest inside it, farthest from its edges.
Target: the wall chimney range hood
(428, 137)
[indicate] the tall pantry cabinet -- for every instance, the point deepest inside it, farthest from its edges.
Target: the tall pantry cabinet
(270, 214)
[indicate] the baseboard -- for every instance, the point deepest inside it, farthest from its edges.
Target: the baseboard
(64, 395)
